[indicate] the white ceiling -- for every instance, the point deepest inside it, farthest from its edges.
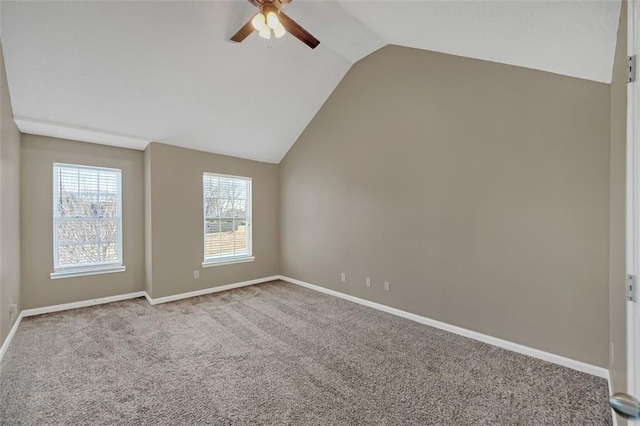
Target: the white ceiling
(126, 73)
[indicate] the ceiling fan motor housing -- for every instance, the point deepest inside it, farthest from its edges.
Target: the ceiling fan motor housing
(266, 8)
(278, 4)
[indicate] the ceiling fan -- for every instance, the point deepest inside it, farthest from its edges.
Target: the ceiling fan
(271, 17)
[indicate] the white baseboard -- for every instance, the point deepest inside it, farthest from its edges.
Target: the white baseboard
(505, 344)
(81, 304)
(180, 296)
(5, 345)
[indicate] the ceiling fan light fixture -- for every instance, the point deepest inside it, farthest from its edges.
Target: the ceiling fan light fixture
(265, 32)
(272, 20)
(258, 21)
(279, 30)
(270, 17)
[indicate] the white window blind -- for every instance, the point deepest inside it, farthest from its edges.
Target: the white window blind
(87, 217)
(227, 217)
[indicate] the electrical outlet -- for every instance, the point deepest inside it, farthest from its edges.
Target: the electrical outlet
(343, 277)
(196, 274)
(386, 286)
(368, 282)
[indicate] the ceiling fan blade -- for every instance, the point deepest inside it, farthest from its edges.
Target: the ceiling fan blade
(243, 32)
(298, 32)
(279, 4)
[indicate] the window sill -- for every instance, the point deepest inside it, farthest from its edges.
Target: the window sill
(229, 261)
(85, 272)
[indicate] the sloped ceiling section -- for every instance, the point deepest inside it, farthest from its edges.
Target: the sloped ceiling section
(574, 38)
(126, 73)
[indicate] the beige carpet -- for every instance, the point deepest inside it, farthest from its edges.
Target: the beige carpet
(276, 354)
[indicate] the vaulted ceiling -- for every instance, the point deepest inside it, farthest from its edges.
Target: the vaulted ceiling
(126, 73)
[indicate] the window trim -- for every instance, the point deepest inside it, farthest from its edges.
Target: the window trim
(229, 260)
(78, 272)
(89, 268)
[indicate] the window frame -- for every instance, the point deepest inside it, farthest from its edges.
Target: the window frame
(228, 260)
(89, 268)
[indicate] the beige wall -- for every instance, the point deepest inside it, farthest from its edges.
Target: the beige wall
(479, 190)
(617, 270)
(38, 155)
(177, 221)
(9, 208)
(162, 220)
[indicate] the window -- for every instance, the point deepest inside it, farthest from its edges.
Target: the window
(87, 220)
(227, 219)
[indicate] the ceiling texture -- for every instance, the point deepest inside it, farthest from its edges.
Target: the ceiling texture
(126, 73)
